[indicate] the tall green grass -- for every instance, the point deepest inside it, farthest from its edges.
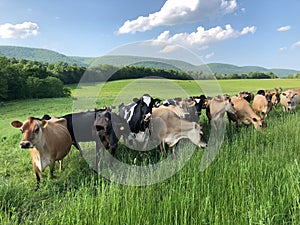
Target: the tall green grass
(255, 178)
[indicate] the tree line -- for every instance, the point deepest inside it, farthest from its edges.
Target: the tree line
(22, 79)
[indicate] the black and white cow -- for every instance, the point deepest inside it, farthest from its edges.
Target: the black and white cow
(138, 116)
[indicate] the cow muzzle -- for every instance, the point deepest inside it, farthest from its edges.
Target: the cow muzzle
(147, 117)
(26, 144)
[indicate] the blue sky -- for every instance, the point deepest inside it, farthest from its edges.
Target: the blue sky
(241, 32)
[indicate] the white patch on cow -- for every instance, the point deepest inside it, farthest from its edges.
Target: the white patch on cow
(147, 100)
(139, 137)
(197, 100)
(130, 113)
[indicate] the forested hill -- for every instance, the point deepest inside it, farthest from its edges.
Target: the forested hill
(36, 54)
(221, 68)
(52, 57)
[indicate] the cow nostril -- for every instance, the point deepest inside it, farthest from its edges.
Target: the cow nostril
(25, 144)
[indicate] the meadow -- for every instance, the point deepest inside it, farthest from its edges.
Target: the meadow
(255, 178)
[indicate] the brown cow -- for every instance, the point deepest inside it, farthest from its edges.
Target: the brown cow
(169, 128)
(261, 105)
(245, 114)
(48, 141)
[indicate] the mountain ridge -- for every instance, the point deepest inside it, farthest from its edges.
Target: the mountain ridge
(51, 57)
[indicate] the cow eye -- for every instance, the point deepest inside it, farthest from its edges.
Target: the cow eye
(36, 130)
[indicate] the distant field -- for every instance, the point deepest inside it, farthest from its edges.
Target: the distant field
(124, 90)
(255, 178)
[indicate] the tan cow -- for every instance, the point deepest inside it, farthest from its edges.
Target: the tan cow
(261, 105)
(169, 128)
(286, 99)
(176, 109)
(48, 141)
(245, 114)
(217, 107)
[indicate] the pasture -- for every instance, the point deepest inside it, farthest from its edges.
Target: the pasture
(255, 178)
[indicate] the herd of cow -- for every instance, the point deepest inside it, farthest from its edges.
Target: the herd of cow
(146, 119)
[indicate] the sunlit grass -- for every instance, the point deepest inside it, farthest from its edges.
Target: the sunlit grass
(255, 178)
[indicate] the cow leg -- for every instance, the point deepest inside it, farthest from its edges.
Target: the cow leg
(60, 164)
(162, 147)
(37, 174)
(52, 169)
(98, 145)
(146, 139)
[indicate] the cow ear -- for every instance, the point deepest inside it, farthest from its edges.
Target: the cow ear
(135, 100)
(17, 124)
(44, 123)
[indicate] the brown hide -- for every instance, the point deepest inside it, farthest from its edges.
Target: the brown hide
(48, 141)
(261, 105)
(245, 114)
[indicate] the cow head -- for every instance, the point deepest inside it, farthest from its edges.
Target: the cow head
(259, 123)
(200, 103)
(141, 114)
(287, 99)
(109, 127)
(31, 130)
(196, 136)
(248, 96)
(103, 126)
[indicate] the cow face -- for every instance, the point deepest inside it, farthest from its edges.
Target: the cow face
(196, 136)
(286, 99)
(140, 113)
(200, 103)
(229, 106)
(259, 123)
(31, 130)
(145, 105)
(102, 125)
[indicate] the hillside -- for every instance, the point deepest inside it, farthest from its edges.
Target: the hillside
(232, 69)
(36, 54)
(48, 56)
(121, 60)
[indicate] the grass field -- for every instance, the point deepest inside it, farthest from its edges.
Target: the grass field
(255, 179)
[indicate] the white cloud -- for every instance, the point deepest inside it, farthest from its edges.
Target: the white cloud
(285, 28)
(296, 44)
(210, 55)
(22, 30)
(179, 12)
(170, 48)
(203, 37)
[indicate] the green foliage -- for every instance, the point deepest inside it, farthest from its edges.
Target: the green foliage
(30, 79)
(251, 75)
(294, 76)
